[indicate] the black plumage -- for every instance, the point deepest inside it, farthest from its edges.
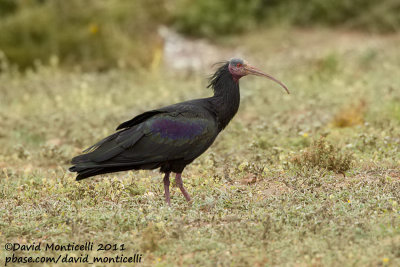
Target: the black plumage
(171, 137)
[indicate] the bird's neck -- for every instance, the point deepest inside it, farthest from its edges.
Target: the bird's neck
(226, 97)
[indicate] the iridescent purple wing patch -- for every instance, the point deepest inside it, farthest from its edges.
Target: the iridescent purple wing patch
(174, 129)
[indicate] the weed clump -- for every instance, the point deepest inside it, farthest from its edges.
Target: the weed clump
(323, 155)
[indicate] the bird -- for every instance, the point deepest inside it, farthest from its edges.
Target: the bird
(171, 137)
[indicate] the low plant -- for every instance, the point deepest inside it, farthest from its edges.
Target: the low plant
(321, 154)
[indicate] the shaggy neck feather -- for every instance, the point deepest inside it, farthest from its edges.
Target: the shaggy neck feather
(226, 97)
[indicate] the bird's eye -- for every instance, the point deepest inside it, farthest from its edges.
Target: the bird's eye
(238, 65)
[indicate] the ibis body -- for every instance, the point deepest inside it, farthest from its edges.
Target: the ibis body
(171, 137)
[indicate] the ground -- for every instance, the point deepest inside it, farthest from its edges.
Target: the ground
(306, 179)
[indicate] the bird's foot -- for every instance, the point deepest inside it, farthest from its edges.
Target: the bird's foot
(166, 189)
(178, 181)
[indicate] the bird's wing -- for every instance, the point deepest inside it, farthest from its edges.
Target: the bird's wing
(125, 125)
(162, 137)
(177, 135)
(139, 119)
(187, 107)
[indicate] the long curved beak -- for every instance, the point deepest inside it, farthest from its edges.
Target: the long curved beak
(254, 71)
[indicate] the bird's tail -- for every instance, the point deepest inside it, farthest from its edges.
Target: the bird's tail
(84, 173)
(101, 157)
(89, 169)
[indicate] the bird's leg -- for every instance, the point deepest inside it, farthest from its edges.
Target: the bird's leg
(166, 188)
(178, 181)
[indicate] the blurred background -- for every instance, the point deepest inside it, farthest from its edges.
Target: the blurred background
(99, 34)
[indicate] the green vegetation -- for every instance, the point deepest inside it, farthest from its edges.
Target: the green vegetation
(94, 34)
(252, 204)
(220, 17)
(100, 35)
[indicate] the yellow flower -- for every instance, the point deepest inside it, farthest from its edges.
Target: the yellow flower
(349, 201)
(305, 134)
(385, 260)
(93, 28)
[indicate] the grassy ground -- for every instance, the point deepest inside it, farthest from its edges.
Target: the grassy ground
(269, 192)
